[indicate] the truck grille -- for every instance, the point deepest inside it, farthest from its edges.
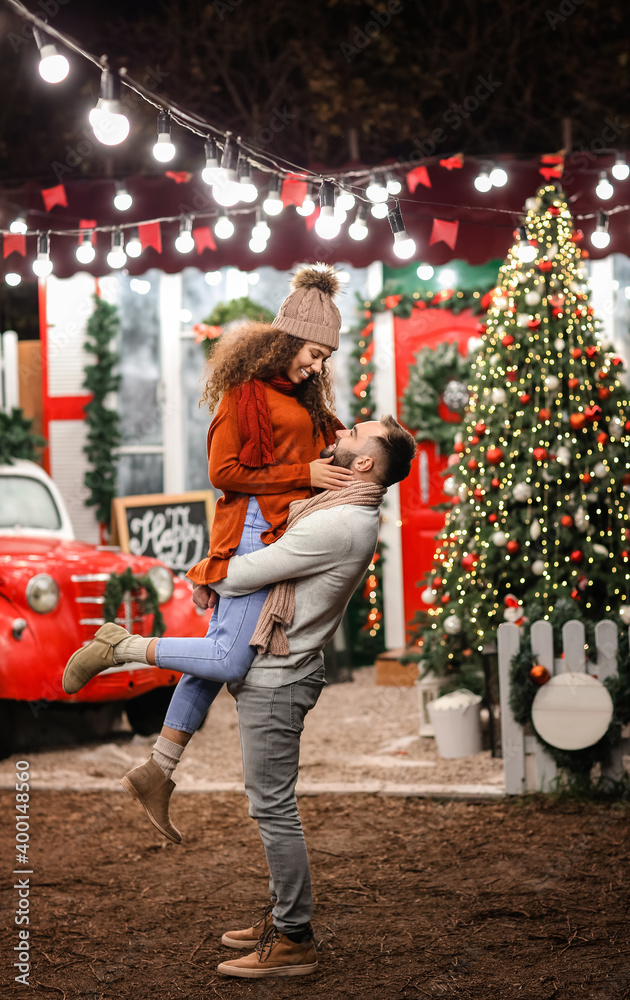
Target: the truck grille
(89, 590)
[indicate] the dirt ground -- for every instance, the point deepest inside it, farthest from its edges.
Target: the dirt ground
(414, 898)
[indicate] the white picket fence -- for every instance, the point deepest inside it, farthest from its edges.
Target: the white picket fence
(527, 765)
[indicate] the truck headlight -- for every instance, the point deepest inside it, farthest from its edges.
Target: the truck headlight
(42, 593)
(162, 580)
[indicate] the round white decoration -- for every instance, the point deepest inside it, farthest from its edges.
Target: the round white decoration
(452, 625)
(498, 396)
(600, 470)
(428, 596)
(552, 382)
(450, 486)
(499, 538)
(624, 613)
(563, 455)
(535, 529)
(572, 711)
(538, 567)
(522, 492)
(512, 614)
(523, 319)
(559, 344)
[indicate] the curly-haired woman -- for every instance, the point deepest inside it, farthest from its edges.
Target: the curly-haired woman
(272, 392)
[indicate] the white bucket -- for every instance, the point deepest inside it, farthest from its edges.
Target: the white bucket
(456, 720)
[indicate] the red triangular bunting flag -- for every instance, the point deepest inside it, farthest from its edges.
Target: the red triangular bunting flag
(14, 243)
(551, 173)
(553, 158)
(363, 383)
(179, 176)
(368, 352)
(150, 235)
(445, 232)
(204, 240)
(293, 190)
(453, 162)
(54, 196)
(87, 223)
(419, 175)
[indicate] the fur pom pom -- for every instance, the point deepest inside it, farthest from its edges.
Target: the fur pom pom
(322, 276)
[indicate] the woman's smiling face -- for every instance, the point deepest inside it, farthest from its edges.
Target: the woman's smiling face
(308, 361)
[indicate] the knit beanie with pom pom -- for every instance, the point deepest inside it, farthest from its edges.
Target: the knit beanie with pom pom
(309, 312)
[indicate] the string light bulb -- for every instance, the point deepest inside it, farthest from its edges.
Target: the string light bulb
(376, 190)
(498, 177)
(185, 242)
(326, 225)
(12, 278)
(600, 237)
(482, 182)
(345, 201)
(604, 189)
(42, 265)
(358, 229)
(164, 150)
(261, 228)
(117, 258)
(224, 228)
(248, 192)
(392, 183)
(213, 278)
(133, 247)
(620, 170)
(227, 191)
(308, 205)
(85, 252)
(122, 199)
(273, 202)
(19, 225)
(212, 173)
(525, 251)
(53, 67)
(110, 126)
(425, 272)
(404, 246)
(380, 210)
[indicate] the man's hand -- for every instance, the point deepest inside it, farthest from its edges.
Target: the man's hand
(204, 597)
(325, 476)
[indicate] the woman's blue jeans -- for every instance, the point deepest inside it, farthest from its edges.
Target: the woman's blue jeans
(224, 655)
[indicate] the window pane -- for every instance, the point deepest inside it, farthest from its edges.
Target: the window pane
(27, 503)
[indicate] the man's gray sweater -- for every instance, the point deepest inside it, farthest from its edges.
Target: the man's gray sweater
(327, 554)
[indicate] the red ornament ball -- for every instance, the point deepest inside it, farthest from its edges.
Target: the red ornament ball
(469, 560)
(445, 598)
(437, 582)
(553, 210)
(511, 376)
(603, 392)
(495, 483)
(566, 521)
(577, 420)
(512, 546)
(478, 493)
(524, 398)
(507, 340)
(474, 440)
(625, 554)
(576, 352)
(533, 324)
(494, 455)
(511, 602)
(539, 674)
(602, 438)
(480, 428)
(473, 464)
(540, 454)
(575, 594)
(591, 351)
(493, 518)
(544, 414)
(577, 236)
(573, 383)
(577, 556)
(586, 477)
(459, 448)
(545, 265)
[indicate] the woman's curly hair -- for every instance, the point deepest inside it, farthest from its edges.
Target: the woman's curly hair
(259, 350)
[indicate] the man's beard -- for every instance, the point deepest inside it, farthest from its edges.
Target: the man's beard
(341, 459)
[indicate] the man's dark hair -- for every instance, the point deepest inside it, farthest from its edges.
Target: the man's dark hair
(395, 452)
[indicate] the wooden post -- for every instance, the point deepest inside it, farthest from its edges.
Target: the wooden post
(512, 738)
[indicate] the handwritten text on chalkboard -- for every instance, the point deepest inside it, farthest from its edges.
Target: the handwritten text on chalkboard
(168, 534)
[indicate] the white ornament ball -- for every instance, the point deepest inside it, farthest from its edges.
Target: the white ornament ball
(532, 298)
(500, 302)
(450, 486)
(580, 519)
(512, 614)
(499, 538)
(523, 319)
(452, 625)
(533, 204)
(624, 613)
(535, 529)
(538, 567)
(522, 277)
(428, 596)
(522, 492)
(495, 359)
(552, 251)
(615, 427)
(563, 455)
(601, 550)
(552, 382)
(559, 344)
(452, 459)
(474, 345)
(600, 470)
(499, 396)
(462, 491)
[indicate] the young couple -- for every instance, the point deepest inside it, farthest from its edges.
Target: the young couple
(284, 561)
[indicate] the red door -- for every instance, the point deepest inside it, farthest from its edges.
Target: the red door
(423, 488)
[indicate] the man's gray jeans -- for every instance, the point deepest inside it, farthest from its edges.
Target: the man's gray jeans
(270, 722)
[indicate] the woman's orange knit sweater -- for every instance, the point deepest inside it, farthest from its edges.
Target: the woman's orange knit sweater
(275, 486)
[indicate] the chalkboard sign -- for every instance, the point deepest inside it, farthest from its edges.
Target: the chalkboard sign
(174, 529)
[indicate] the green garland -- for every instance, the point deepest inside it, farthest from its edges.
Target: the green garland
(17, 440)
(431, 372)
(523, 689)
(228, 312)
(118, 584)
(403, 304)
(103, 424)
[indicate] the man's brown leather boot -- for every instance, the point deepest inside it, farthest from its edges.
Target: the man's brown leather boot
(275, 955)
(249, 938)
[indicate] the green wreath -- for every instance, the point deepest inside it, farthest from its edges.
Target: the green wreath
(523, 689)
(17, 439)
(228, 312)
(115, 589)
(435, 400)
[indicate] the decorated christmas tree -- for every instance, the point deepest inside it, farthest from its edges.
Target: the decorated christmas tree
(539, 479)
